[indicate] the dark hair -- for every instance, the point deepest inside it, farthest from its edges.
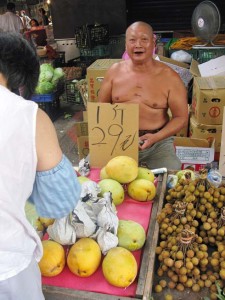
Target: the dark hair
(19, 63)
(36, 22)
(10, 6)
(42, 10)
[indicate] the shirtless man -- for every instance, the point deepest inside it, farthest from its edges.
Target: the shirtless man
(155, 87)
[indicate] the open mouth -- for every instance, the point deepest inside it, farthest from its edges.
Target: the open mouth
(138, 53)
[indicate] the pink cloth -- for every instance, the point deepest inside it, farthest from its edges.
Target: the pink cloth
(128, 210)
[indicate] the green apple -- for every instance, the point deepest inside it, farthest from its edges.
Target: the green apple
(131, 235)
(113, 186)
(82, 179)
(103, 174)
(145, 173)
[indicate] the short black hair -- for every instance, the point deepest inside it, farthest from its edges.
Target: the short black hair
(36, 22)
(19, 63)
(11, 6)
(42, 10)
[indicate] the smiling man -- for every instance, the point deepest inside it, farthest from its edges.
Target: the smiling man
(156, 88)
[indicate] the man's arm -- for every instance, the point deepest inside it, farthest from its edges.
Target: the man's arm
(105, 93)
(178, 104)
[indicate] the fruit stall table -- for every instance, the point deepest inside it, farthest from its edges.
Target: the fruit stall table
(68, 286)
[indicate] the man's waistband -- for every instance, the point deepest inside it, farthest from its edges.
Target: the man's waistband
(143, 132)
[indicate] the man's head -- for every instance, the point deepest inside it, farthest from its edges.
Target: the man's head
(42, 11)
(19, 63)
(22, 13)
(11, 6)
(140, 41)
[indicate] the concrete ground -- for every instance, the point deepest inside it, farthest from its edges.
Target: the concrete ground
(69, 114)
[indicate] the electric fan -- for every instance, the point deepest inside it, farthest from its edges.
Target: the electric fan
(206, 23)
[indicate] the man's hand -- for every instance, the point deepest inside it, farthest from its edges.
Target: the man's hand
(146, 141)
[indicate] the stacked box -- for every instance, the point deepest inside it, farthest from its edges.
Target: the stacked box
(208, 100)
(205, 131)
(81, 129)
(95, 76)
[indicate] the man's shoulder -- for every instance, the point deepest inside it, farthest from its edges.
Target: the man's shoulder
(118, 64)
(164, 67)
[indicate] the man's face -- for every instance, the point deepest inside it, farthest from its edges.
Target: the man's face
(139, 42)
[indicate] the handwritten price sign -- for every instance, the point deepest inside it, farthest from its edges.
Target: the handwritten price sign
(113, 131)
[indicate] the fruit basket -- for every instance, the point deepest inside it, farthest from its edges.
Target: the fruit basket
(192, 271)
(95, 287)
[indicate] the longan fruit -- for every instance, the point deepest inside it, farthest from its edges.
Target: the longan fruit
(195, 287)
(163, 283)
(158, 288)
(168, 297)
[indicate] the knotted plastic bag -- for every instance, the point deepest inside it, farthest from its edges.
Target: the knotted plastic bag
(62, 231)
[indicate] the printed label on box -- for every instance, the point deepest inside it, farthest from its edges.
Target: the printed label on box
(194, 155)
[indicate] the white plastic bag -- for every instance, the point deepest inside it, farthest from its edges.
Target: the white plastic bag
(81, 222)
(62, 231)
(181, 56)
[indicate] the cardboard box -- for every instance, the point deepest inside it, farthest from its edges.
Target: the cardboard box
(81, 129)
(184, 131)
(208, 132)
(194, 153)
(181, 68)
(208, 99)
(213, 67)
(208, 96)
(111, 132)
(95, 76)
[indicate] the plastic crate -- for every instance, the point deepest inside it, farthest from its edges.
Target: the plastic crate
(43, 98)
(82, 63)
(203, 55)
(89, 36)
(50, 103)
(60, 60)
(117, 45)
(101, 51)
(72, 93)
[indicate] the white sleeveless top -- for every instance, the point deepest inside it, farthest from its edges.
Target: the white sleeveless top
(19, 242)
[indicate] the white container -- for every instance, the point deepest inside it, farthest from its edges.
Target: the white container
(69, 47)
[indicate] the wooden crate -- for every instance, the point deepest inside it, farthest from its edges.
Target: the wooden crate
(146, 272)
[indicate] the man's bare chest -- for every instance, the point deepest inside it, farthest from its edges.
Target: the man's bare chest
(141, 90)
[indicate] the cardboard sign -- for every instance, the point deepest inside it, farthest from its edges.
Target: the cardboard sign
(222, 149)
(113, 131)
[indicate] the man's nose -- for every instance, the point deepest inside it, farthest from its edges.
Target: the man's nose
(138, 43)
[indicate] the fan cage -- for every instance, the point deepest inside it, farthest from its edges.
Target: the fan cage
(213, 30)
